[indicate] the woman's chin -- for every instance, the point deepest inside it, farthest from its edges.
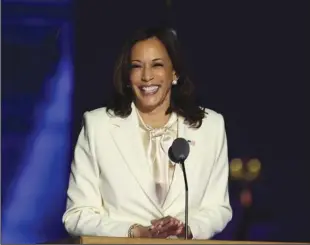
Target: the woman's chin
(150, 102)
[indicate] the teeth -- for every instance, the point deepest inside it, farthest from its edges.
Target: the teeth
(150, 89)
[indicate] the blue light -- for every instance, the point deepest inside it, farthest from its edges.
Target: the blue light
(36, 201)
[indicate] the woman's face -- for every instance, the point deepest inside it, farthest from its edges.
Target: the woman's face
(151, 74)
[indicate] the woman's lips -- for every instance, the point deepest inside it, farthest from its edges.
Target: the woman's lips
(149, 90)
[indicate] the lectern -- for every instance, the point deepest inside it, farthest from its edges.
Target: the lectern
(114, 240)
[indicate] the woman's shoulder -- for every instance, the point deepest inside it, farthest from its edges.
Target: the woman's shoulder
(212, 118)
(211, 113)
(99, 115)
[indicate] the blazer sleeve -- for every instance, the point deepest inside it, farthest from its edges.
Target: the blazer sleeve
(215, 211)
(85, 214)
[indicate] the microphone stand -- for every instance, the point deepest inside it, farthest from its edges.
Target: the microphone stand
(186, 199)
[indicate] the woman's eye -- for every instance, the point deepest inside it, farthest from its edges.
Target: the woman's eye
(158, 64)
(134, 66)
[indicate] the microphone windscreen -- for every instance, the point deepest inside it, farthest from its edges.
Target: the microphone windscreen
(179, 150)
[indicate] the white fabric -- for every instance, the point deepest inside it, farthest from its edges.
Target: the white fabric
(111, 187)
(157, 142)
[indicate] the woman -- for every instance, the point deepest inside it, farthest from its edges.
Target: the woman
(122, 182)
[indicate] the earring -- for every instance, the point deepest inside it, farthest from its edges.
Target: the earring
(174, 82)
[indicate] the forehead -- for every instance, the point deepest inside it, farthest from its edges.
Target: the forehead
(149, 49)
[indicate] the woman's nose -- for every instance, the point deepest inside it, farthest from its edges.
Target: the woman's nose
(147, 74)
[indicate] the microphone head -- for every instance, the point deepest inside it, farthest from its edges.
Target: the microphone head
(179, 150)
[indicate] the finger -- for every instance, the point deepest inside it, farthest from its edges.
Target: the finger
(179, 230)
(173, 228)
(157, 234)
(176, 232)
(168, 228)
(173, 223)
(181, 224)
(161, 222)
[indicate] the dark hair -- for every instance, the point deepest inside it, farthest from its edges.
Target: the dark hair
(183, 100)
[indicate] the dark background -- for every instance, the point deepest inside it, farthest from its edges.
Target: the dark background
(248, 59)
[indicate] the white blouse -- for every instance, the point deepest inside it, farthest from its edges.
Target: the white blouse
(157, 142)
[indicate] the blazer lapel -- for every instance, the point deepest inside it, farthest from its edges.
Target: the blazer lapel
(126, 135)
(177, 186)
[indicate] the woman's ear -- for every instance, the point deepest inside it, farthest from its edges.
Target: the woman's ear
(175, 77)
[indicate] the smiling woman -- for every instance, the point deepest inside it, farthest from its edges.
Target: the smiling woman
(151, 73)
(128, 142)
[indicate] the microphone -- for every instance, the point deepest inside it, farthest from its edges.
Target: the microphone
(178, 152)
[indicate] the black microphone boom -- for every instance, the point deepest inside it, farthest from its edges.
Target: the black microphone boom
(178, 152)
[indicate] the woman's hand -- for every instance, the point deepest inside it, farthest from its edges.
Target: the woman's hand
(167, 226)
(161, 228)
(143, 232)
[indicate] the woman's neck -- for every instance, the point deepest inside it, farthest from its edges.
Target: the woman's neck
(156, 118)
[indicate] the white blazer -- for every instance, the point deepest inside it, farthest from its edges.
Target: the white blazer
(111, 187)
